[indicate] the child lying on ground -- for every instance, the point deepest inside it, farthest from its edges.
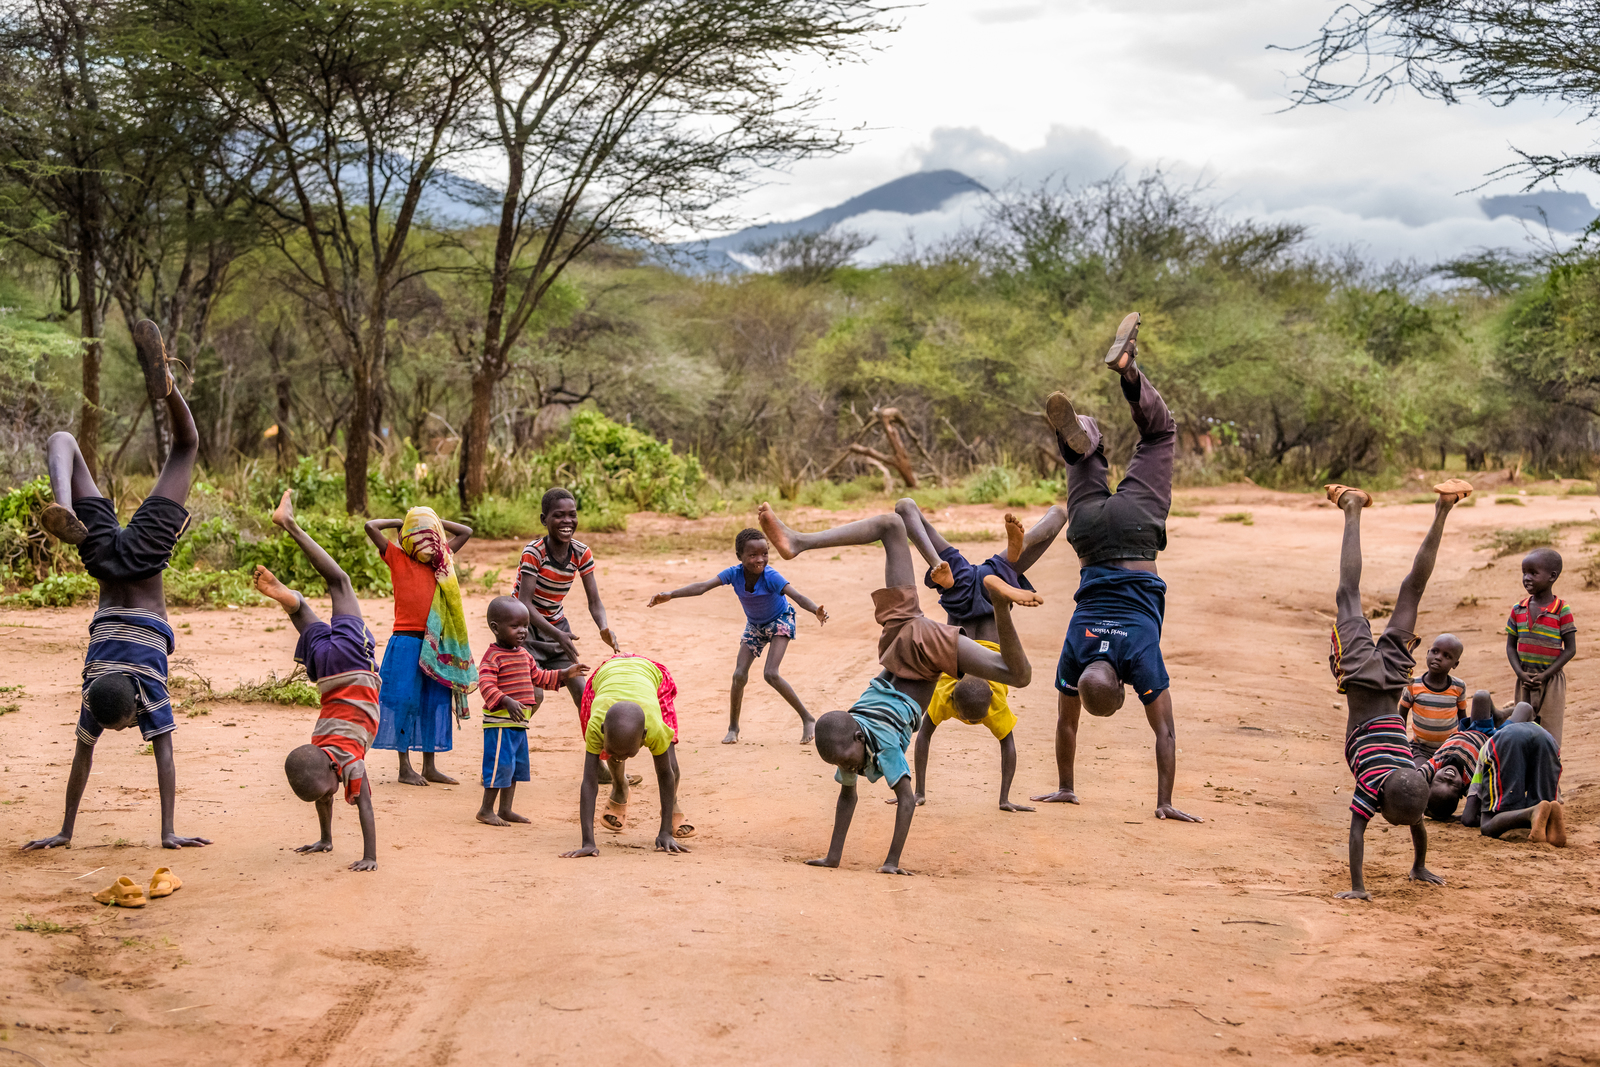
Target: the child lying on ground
(768, 619)
(870, 739)
(1449, 770)
(338, 657)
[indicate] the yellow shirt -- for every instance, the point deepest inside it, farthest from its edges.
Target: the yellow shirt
(1001, 720)
(627, 678)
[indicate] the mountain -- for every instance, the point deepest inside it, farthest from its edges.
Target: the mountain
(1569, 212)
(910, 195)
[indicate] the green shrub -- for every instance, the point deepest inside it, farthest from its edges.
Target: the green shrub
(293, 690)
(993, 484)
(1522, 539)
(1581, 489)
(1243, 518)
(345, 539)
(1514, 501)
(196, 588)
(612, 468)
(497, 518)
(57, 591)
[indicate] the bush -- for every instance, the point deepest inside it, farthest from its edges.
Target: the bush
(496, 518)
(27, 553)
(294, 690)
(345, 540)
(1523, 539)
(57, 591)
(210, 589)
(994, 484)
(612, 468)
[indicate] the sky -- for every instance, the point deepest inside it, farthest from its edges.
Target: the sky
(1012, 91)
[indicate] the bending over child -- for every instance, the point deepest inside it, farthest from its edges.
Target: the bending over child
(1517, 783)
(338, 657)
(1372, 675)
(769, 619)
(125, 665)
(870, 738)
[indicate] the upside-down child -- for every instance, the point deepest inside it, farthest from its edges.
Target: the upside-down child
(512, 687)
(125, 665)
(1517, 783)
(628, 704)
(1435, 701)
(764, 595)
(1541, 640)
(338, 658)
(1450, 768)
(1372, 675)
(870, 738)
(972, 700)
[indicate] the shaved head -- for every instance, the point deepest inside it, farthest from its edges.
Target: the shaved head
(972, 698)
(624, 729)
(504, 609)
(836, 737)
(310, 773)
(1405, 796)
(1099, 688)
(1546, 559)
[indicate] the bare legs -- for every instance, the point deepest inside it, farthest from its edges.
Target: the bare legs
(1405, 605)
(890, 529)
(770, 673)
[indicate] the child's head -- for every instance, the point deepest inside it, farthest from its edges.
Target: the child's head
(1445, 792)
(1444, 655)
(114, 701)
(508, 621)
(751, 548)
(971, 697)
(559, 513)
(1404, 796)
(623, 732)
(310, 773)
(840, 741)
(1540, 569)
(1099, 688)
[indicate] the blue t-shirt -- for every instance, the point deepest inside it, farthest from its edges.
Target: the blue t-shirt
(763, 603)
(887, 717)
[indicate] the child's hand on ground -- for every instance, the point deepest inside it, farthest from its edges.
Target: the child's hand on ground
(889, 868)
(586, 850)
(1060, 796)
(1006, 805)
(665, 842)
(577, 670)
(364, 865)
(174, 841)
(316, 846)
(1167, 811)
(921, 800)
(659, 598)
(1355, 894)
(823, 862)
(58, 841)
(822, 615)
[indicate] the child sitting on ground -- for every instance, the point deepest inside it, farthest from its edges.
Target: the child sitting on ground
(1372, 675)
(870, 739)
(512, 686)
(1449, 770)
(1435, 701)
(628, 705)
(338, 657)
(1541, 639)
(1517, 783)
(769, 618)
(125, 665)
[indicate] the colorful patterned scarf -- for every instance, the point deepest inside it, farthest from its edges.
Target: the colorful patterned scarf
(446, 652)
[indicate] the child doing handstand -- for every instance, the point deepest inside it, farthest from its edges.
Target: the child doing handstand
(125, 665)
(512, 686)
(338, 657)
(769, 618)
(1372, 675)
(871, 737)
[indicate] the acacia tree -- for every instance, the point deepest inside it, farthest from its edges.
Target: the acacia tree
(362, 102)
(1449, 50)
(618, 118)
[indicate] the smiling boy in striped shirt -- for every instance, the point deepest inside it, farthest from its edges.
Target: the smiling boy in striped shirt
(1436, 700)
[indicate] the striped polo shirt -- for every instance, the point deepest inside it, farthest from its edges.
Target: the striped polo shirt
(1372, 750)
(1461, 751)
(1434, 715)
(1539, 630)
(552, 580)
(511, 672)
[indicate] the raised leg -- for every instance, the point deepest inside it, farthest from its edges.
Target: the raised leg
(178, 472)
(1040, 537)
(1149, 474)
(923, 537)
(339, 585)
(1010, 665)
(1349, 596)
(69, 475)
(1405, 605)
(897, 568)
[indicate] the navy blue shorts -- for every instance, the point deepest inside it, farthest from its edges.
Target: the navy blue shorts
(344, 645)
(1130, 642)
(965, 599)
(505, 757)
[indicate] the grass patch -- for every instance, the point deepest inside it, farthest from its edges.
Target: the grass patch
(1183, 513)
(1428, 499)
(27, 922)
(969, 535)
(1514, 501)
(7, 709)
(147, 749)
(1521, 539)
(1243, 518)
(293, 690)
(1581, 489)
(1542, 490)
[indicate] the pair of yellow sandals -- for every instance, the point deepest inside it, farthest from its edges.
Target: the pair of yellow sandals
(126, 893)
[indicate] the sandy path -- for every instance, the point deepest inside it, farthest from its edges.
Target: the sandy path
(1088, 934)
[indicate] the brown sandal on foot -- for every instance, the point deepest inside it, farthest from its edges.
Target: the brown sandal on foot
(681, 827)
(1454, 487)
(1125, 345)
(615, 817)
(62, 524)
(1336, 493)
(1063, 419)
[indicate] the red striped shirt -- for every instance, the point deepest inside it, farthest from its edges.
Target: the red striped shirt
(511, 672)
(347, 724)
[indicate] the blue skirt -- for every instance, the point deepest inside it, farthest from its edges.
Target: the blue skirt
(414, 711)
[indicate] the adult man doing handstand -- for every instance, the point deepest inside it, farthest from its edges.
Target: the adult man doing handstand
(1114, 638)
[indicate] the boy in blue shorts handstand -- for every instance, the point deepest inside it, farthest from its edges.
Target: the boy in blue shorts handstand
(870, 739)
(769, 619)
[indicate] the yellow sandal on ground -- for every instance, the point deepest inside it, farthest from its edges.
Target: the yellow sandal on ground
(681, 827)
(615, 817)
(164, 883)
(124, 892)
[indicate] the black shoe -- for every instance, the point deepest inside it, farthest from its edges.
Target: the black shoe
(1124, 348)
(1063, 419)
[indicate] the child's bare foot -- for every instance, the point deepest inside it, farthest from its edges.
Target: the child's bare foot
(63, 524)
(1555, 830)
(1453, 491)
(489, 818)
(267, 585)
(1063, 419)
(777, 533)
(808, 729)
(941, 576)
(732, 736)
(1541, 821)
(1014, 538)
(283, 514)
(433, 774)
(410, 777)
(511, 816)
(1337, 493)
(996, 586)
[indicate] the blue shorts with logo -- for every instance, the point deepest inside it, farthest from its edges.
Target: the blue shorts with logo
(1118, 619)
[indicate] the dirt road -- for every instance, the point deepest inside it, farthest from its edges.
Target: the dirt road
(1090, 934)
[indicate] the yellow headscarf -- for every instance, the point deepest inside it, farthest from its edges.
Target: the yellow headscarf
(446, 654)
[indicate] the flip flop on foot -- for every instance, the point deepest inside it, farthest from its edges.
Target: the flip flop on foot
(1336, 493)
(1456, 489)
(63, 525)
(164, 883)
(1015, 536)
(681, 827)
(777, 533)
(941, 576)
(1063, 419)
(996, 588)
(615, 818)
(1126, 344)
(124, 892)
